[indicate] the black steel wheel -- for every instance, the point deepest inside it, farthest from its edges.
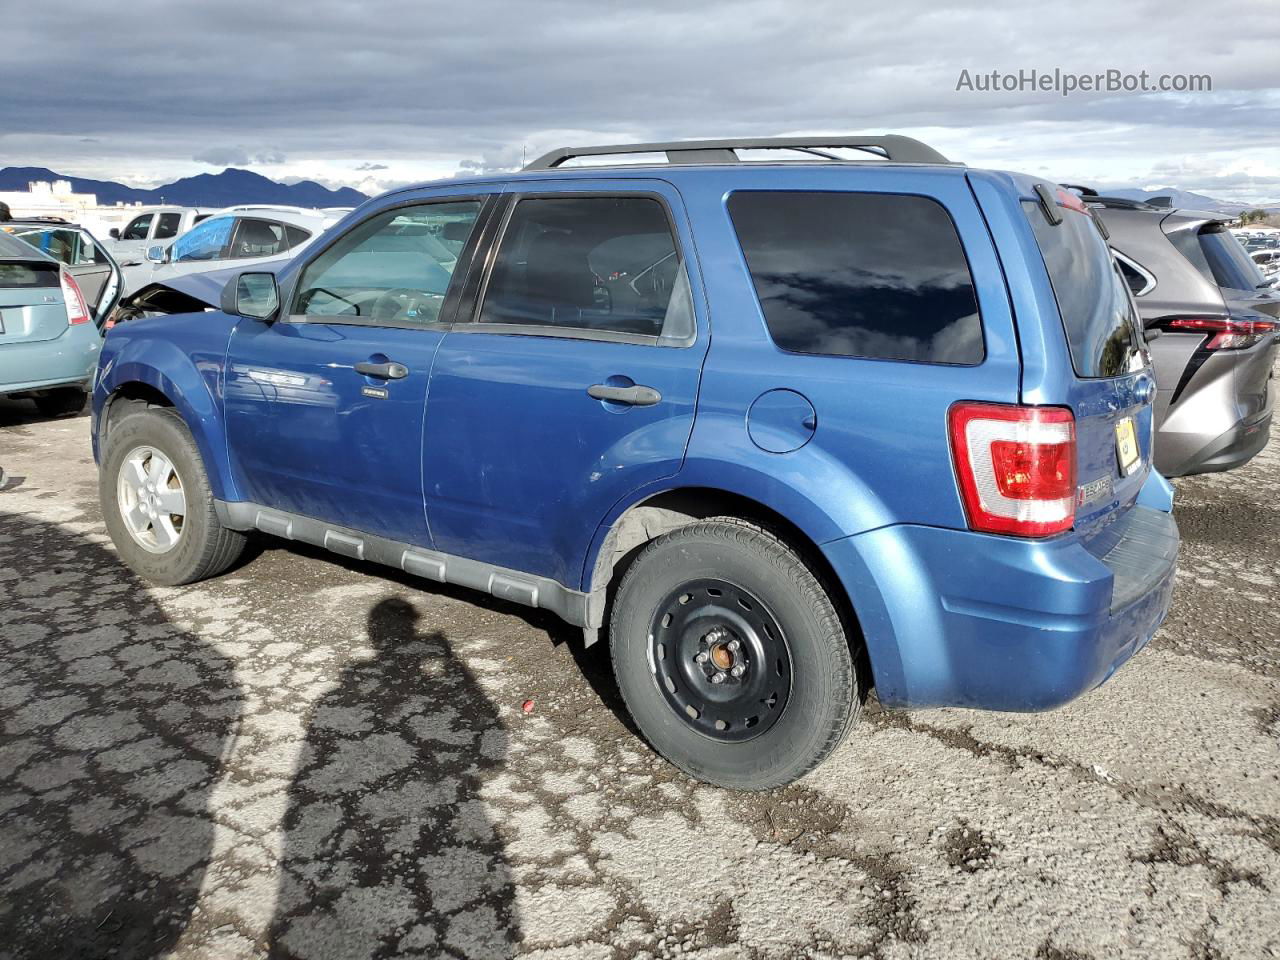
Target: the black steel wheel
(721, 660)
(731, 655)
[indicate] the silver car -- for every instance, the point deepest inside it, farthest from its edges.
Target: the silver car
(158, 225)
(1211, 327)
(234, 237)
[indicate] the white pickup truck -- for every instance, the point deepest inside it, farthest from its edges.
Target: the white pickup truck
(157, 225)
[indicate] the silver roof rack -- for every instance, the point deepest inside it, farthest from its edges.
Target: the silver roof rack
(892, 147)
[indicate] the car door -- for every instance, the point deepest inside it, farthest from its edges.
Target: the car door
(94, 270)
(132, 243)
(324, 406)
(571, 381)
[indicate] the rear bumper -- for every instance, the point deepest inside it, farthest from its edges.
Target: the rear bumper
(1232, 449)
(68, 360)
(955, 618)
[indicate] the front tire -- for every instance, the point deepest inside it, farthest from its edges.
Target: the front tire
(157, 503)
(731, 656)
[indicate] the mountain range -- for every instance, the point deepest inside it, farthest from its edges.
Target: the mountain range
(231, 186)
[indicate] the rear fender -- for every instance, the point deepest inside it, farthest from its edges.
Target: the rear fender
(816, 493)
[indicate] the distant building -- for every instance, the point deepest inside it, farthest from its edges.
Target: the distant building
(58, 199)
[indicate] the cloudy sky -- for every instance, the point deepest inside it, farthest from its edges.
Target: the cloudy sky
(379, 92)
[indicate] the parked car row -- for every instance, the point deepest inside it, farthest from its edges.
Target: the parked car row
(52, 362)
(158, 226)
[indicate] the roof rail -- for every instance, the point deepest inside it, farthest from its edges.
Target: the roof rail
(892, 147)
(40, 219)
(241, 207)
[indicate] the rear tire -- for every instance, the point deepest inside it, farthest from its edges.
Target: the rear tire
(726, 597)
(157, 503)
(61, 402)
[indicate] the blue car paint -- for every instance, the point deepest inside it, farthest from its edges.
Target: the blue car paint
(520, 469)
(182, 357)
(304, 437)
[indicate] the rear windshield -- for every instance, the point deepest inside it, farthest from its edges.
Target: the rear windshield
(1229, 264)
(860, 275)
(28, 275)
(25, 268)
(1092, 296)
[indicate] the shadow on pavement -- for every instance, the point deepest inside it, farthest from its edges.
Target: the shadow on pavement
(388, 848)
(113, 726)
(15, 413)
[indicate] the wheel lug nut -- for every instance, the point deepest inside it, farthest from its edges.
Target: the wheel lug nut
(701, 658)
(717, 677)
(738, 670)
(734, 645)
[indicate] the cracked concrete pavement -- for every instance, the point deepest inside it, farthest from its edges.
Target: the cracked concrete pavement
(315, 758)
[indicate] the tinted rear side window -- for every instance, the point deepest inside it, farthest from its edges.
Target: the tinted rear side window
(1092, 296)
(860, 275)
(1229, 264)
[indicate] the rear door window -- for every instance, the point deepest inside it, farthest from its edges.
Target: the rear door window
(607, 266)
(882, 276)
(258, 238)
(167, 225)
(1093, 297)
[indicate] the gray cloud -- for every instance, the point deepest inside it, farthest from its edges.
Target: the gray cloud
(223, 157)
(353, 80)
(230, 156)
(371, 167)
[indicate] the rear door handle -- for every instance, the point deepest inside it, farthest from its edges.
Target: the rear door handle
(636, 396)
(383, 371)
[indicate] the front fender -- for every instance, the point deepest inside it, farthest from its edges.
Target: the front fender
(183, 358)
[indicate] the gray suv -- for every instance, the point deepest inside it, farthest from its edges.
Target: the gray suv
(1210, 322)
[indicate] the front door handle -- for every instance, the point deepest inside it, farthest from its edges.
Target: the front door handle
(383, 371)
(636, 395)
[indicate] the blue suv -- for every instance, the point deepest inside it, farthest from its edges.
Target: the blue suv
(781, 423)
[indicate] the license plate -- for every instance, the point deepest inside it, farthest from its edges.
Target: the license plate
(1127, 446)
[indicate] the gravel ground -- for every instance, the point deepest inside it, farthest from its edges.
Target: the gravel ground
(322, 759)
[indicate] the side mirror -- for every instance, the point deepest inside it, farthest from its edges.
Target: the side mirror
(115, 233)
(252, 295)
(156, 253)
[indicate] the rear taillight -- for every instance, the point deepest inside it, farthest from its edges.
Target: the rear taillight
(77, 310)
(1223, 334)
(1016, 467)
